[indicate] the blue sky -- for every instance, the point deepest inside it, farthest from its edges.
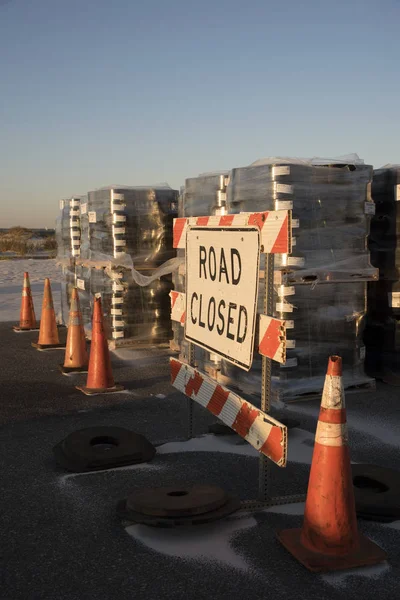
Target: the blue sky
(95, 92)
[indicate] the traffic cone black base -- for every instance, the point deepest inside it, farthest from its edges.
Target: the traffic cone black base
(67, 370)
(48, 346)
(18, 329)
(94, 391)
(22, 330)
(368, 553)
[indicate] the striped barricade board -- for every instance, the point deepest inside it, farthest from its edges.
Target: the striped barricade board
(219, 313)
(275, 228)
(265, 434)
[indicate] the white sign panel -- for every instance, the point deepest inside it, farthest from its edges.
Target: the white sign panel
(222, 266)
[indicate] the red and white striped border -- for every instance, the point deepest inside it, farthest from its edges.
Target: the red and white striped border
(275, 227)
(178, 307)
(264, 433)
(332, 422)
(272, 332)
(272, 338)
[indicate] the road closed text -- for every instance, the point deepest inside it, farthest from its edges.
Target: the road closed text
(221, 290)
(227, 318)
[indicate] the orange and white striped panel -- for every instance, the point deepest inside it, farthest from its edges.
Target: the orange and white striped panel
(275, 227)
(264, 433)
(272, 338)
(178, 307)
(332, 423)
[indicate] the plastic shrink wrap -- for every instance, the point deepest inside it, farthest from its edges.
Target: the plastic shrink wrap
(320, 288)
(126, 237)
(68, 237)
(201, 196)
(382, 335)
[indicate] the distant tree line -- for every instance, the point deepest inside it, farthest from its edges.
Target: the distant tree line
(22, 240)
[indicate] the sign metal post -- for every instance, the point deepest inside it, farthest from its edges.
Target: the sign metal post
(266, 373)
(219, 313)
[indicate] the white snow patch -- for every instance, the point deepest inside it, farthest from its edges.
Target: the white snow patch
(145, 356)
(297, 451)
(296, 508)
(131, 354)
(124, 392)
(11, 281)
(393, 525)
(340, 579)
(209, 443)
(63, 479)
(207, 543)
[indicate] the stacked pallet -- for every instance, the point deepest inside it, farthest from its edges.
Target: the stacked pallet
(125, 229)
(201, 196)
(320, 290)
(382, 337)
(68, 236)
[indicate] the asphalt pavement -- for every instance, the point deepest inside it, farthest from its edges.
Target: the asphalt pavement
(61, 538)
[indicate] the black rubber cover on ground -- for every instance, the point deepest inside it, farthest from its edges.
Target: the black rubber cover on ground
(177, 501)
(84, 450)
(379, 501)
(129, 516)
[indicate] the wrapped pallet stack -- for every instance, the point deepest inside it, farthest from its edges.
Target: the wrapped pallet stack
(382, 336)
(68, 236)
(321, 289)
(201, 196)
(126, 230)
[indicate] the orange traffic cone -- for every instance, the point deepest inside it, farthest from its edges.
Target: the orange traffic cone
(27, 319)
(100, 379)
(48, 333)
(76, 357)
(329, 539)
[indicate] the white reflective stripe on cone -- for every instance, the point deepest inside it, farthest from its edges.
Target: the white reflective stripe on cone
(333, 394)
(74, 321)
(331, 434)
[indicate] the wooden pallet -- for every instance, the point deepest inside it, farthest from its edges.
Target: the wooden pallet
(369, 386)
(134, 343)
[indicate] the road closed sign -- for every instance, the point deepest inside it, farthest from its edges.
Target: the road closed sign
(222, 270)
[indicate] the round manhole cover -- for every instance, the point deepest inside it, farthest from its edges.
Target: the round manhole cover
(102, 447)
(177, 501)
